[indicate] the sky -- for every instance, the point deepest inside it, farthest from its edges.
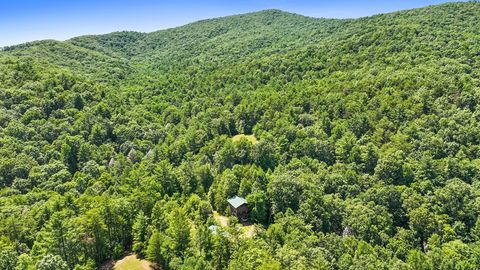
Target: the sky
(28, 20)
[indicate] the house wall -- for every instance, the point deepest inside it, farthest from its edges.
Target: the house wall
(241, 212)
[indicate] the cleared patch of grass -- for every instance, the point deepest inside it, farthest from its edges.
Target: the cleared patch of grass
(221, 220)
(131, 262)
(250, 138)
(248, 231)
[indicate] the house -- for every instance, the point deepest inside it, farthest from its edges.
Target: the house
(239, 208)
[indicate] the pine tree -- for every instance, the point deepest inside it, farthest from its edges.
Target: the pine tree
(139, 232)
(154, 249)
(178, 231)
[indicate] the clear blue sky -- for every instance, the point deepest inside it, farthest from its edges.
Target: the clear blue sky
(28, 20)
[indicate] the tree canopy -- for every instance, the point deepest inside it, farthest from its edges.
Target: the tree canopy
(356, 143)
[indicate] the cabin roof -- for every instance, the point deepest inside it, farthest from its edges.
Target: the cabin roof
(236, 201)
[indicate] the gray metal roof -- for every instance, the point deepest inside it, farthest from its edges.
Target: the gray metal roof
(236, 201)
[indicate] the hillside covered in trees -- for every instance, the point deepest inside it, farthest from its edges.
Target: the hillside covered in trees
(361, 146)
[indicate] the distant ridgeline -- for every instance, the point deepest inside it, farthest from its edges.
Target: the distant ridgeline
(354, 143)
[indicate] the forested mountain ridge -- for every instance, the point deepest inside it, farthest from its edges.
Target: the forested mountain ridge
(225, 39)
(365, 151)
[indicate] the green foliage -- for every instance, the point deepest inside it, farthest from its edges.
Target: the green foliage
(8, 259)
(154, 249)
(356, 143)
(139, 231)
(178, 232)
(51, 262)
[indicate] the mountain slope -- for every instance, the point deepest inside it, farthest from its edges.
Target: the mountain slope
(355, 142)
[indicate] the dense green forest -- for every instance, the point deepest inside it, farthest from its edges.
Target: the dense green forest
(364, 150)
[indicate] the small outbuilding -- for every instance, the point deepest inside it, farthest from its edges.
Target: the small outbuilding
(239, 208)
(213, 229)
